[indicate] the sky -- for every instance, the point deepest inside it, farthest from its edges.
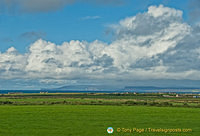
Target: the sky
(48, 43)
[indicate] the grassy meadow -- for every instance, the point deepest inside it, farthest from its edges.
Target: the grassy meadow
(90, 120)
(91, 115)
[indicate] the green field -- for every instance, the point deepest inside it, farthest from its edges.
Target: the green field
(83, 114)
(93, 120)
(151, 99)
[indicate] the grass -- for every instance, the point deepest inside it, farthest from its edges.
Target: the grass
(93, 120)
(153, 99)
(91, 114)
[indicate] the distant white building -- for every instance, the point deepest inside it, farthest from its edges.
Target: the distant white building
(43, 92)
(196, 97)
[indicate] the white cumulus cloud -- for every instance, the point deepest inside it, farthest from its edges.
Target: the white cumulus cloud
(156, 44)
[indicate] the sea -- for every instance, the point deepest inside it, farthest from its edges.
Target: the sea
(117, 91)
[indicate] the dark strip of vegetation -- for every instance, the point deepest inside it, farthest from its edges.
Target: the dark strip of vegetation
(94, 95)
(100, 102)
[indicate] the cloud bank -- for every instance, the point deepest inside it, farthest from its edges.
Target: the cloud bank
(156, 44)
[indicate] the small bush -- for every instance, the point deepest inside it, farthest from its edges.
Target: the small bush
(130, 103)
(185, 104)
(5, 102)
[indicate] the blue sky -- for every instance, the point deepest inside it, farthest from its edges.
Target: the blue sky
(68, 23)
(48, 43)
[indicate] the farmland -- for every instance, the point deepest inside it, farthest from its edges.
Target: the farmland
(151, 99)
(92, 114)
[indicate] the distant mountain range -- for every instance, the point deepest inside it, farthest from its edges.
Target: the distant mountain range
(83, 88)
(146, 88)
(113, 88)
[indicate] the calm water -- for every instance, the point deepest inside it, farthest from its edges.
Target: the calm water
(68, 91)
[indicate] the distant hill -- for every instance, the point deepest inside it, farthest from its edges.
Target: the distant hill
(114, 88)
(146, 88)
(83, 88)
